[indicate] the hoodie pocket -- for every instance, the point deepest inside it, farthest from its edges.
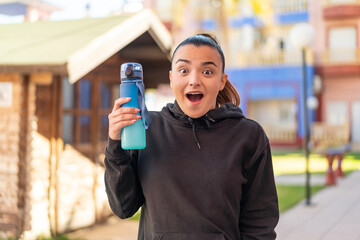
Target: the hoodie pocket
(189, 236)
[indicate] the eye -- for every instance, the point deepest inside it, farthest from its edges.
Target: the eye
(207, 72)
(183, 70)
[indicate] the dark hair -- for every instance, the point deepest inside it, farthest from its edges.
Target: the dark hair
(229, 93)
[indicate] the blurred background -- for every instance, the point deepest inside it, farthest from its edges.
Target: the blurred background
(295, 64)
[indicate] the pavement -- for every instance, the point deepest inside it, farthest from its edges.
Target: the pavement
(113, 229)
(300, 179)
(334, 214)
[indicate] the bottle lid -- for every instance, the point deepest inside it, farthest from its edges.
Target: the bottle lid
(131, 71)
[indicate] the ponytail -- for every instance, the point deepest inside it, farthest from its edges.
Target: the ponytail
(228, 94)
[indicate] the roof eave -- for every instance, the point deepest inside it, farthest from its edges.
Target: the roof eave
(59, 69)
(90, 56)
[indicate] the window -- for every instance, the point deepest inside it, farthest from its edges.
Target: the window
(76, 118)
(109, 92)
(86, 106)
(279, 113)
(342, 44)
(337, 112)
(68, 128)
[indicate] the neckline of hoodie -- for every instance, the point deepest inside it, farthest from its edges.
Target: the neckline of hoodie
(184, 122)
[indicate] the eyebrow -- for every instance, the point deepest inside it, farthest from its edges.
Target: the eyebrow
(182, 60)
(209, 63)
(203, 64)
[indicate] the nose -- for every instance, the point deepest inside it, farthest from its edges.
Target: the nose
(194, 80)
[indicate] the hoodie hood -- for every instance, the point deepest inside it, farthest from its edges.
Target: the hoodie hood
(213, 118)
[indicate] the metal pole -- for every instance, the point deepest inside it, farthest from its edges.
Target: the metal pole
(306, 130)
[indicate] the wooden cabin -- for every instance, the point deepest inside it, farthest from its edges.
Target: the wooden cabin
(58, 82)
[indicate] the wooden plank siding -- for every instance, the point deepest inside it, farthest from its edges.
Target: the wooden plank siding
(15, 147)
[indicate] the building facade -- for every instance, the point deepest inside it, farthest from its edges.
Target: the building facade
(266, 67)
(261, 61)
(337, 63)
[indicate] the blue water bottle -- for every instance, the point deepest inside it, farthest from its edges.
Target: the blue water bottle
(134, 136)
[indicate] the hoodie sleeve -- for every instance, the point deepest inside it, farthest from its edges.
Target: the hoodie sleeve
(121, 181)
(259, 212)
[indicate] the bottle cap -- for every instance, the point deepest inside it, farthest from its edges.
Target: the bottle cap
(131, 71)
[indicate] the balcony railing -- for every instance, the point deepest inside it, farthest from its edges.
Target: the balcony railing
(341, 56)
(271, 58)
(287, 6)
(327, 3)
(278, 134)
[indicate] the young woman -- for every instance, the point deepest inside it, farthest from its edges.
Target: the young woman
(206, 171)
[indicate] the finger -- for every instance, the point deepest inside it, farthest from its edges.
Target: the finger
(120, 101)
(124, 117)
(127, 110)
(120, 125)
(123, 110)
(115, 129)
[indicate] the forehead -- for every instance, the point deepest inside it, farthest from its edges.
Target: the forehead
(193, 53)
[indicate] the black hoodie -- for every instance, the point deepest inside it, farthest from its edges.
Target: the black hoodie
(206, 178)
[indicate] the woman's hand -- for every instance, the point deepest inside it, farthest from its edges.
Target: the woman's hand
(121, 117)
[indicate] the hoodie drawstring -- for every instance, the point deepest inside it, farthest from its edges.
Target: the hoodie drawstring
(191, 121)
(207, 120)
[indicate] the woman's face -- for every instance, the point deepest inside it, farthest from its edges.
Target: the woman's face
(196, 78)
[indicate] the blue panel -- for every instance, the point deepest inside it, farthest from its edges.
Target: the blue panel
(85, 94)
(13, 9)
(68, 128)
(85, 131)
(84, 120)
(291, 18)
(68, 94)
(266, 73)
(104, 128)
(283, 82)
(208, 24)
(271, 92)
(105, 96)
(239, 22)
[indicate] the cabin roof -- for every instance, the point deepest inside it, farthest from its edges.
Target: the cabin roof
(75, 47)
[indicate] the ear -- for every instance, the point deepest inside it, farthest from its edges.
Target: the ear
(170, 78)
(224, 79)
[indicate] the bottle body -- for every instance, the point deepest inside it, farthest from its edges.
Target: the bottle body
(134, 135)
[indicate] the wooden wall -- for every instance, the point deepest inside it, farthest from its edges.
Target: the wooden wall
(15, 142)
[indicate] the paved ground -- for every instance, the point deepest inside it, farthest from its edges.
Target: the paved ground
(299, 179)
(113, 229)
(333, 215)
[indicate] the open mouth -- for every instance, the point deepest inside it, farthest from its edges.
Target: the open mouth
(194, 96)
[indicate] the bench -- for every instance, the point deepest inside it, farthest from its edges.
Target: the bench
(332, 141)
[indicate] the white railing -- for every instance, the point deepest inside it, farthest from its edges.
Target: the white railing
(324, 136)
(288, 6)
(281, 134)
(344, 56)
(271, 58)
(327, 3)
